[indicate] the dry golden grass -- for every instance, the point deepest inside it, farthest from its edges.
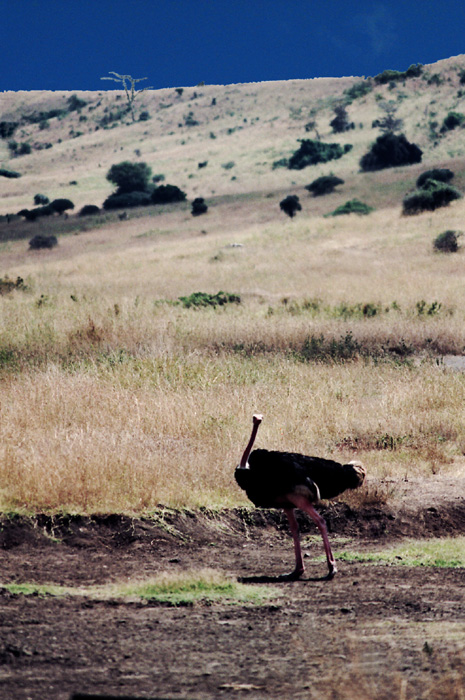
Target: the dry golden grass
(114, 397)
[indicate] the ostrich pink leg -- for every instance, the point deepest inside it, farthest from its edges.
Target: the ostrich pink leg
(294, 528)
(257, 419)
(305, 505)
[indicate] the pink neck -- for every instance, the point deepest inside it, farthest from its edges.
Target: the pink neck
(245, 456)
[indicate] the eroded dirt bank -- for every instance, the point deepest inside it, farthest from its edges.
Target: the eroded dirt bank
(374, 631)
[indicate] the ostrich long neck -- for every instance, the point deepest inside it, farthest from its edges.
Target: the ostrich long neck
(257, 419)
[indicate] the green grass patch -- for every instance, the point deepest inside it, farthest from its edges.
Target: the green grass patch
(185, 588)
(446, 552)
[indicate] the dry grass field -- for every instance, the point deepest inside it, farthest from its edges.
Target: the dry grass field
(125, 404)
(115, 397)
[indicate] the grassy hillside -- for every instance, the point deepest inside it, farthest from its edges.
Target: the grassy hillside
(117, 396)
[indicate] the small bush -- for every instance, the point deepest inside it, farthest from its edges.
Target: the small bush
(88, 210)
(158, 178)
(281, 163)
(7, 129)
(432, 196)
(144, 116)
(452, 120)
(42, 241)
(359, 89)
(290, 205)
(7, 285)
(41, 199)
(203, 299)
(61, 205)
(390, 150)
(165, 194)
(324, 185)
(9, 173)
(353, 206)
(127, 199)
(130, 177)
(389, 76)
(199, 206)
(312, 152)
(438, 174)
(447, 242)
(75, 103)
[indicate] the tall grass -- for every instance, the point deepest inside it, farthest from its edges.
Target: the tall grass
(115, 398)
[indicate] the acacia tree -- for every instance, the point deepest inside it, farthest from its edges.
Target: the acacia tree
(131, 93)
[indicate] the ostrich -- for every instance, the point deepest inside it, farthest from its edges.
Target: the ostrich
(288, 480)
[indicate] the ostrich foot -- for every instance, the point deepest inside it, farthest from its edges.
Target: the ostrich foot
(293, 576)
(332, 572)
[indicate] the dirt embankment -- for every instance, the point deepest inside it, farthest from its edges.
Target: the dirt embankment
(374, 631)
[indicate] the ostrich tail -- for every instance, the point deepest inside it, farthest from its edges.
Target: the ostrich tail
(356, 474)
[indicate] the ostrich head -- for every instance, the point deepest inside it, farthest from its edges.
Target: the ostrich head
(256, 420)
(356, 474)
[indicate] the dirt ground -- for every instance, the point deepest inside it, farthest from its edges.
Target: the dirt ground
(374, 631)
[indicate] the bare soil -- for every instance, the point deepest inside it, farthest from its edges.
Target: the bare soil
(374, 631)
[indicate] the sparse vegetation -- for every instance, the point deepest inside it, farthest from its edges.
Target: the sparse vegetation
(204, 299)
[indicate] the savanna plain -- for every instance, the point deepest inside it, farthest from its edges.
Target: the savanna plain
(132, 564)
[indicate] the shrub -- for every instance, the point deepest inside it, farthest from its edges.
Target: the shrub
(438, 174)
(312, 152)
(130, 177)
(433, 195)
(281, 163)
(75, 103)
(41, 199)
(42, 241)
(61, 205)
(199, 206)
(127, 199)
(158, 178)
(33, 214)
(341, 122)
(447, 242)
(7, 285)
(203, 299)
(9, 173)
(89, 209)
(324, 185)
(358, 90)
(165, 194)
(7, 129)
(389, 76)
(144, 116)
(290, 205)
(390, 150)
(353, 206)
(452, 120)
(19, 149)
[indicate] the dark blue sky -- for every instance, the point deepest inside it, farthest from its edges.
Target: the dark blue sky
(71, 44)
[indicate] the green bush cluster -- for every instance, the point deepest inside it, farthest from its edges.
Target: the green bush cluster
(353, 206)
(389, 76)
(312, 152)
(432, 195)
(324, 185)
(390, 150)
(358, 90)
(9, 173)
(446, 242)
(203, 299)
(439, 174)
(290, 205)
(453, 120)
